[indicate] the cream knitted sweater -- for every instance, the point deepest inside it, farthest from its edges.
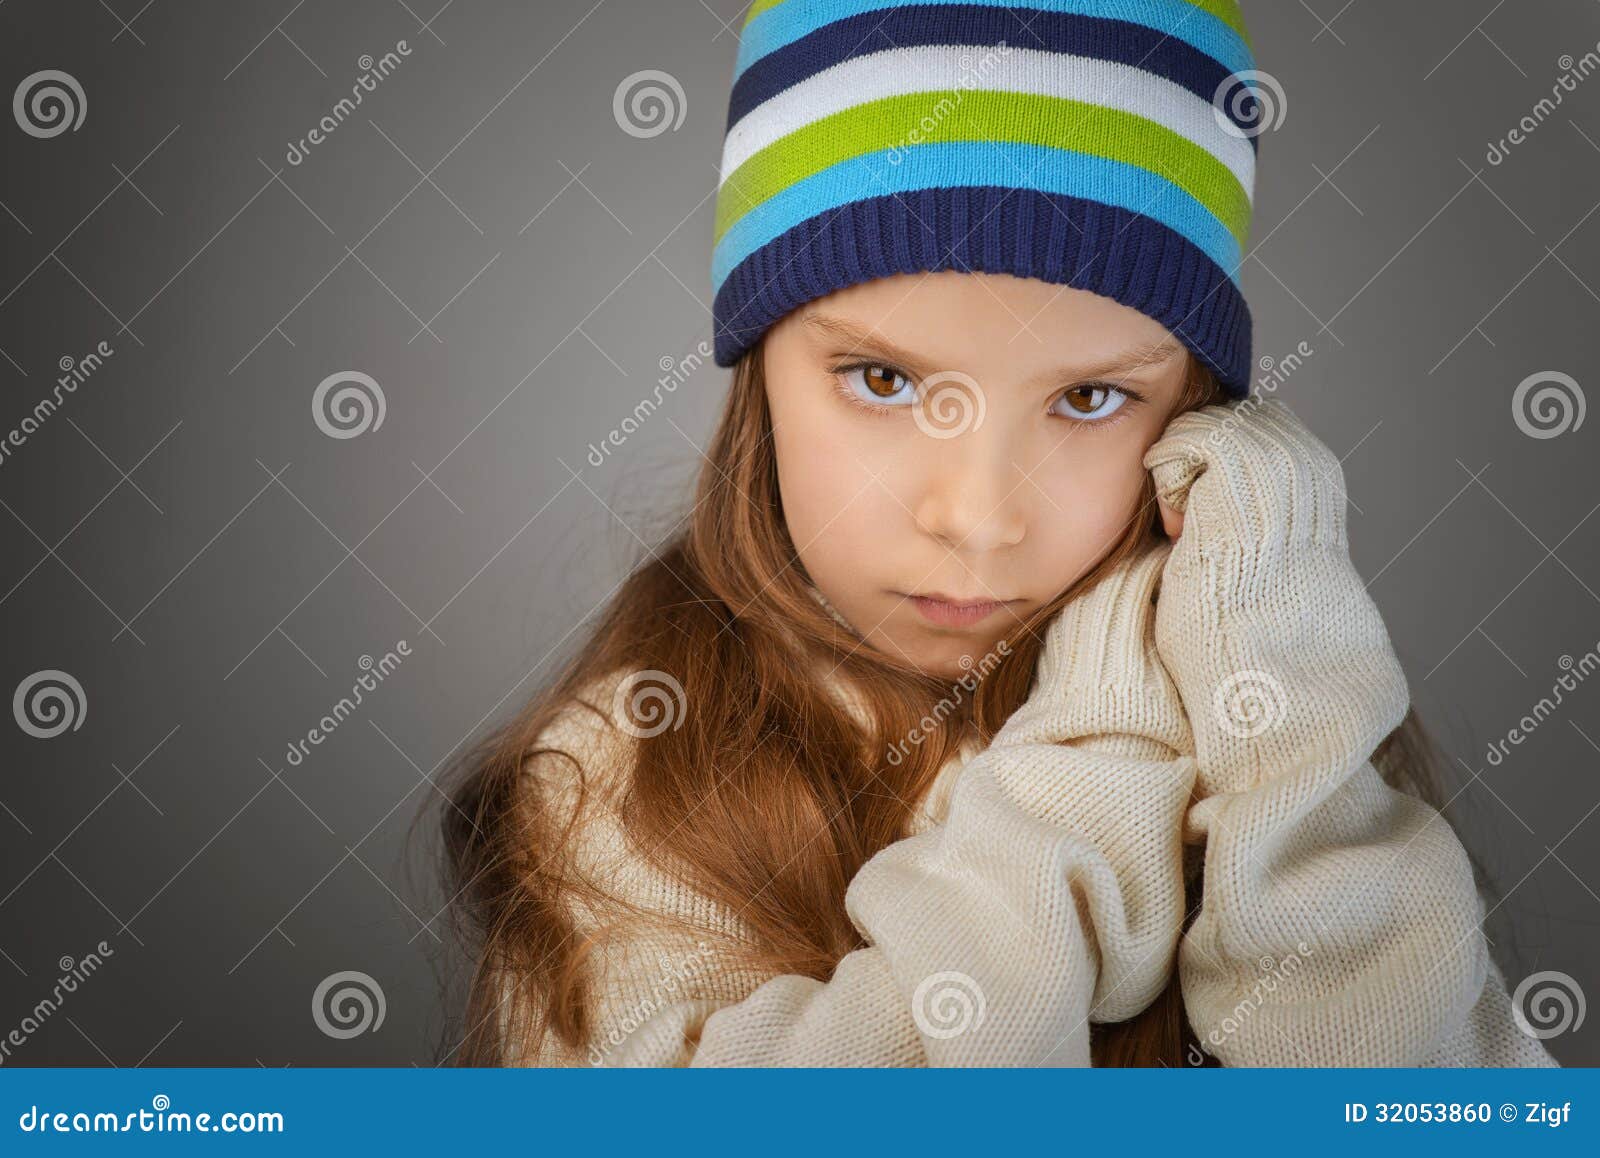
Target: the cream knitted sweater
(1226, 691)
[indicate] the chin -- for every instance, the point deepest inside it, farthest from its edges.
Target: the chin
(945, 660)
(948, 671)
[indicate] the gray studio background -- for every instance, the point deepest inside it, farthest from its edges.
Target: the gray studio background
(513, 268)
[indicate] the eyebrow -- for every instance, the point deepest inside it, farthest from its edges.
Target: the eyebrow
(1147, 355)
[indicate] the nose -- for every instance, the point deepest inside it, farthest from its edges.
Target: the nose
(974, 498)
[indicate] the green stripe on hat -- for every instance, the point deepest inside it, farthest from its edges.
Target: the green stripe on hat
(1026, 118)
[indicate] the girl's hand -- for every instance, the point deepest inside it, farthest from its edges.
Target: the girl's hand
(1264, 623)
(1253, 474)
(1290, 684)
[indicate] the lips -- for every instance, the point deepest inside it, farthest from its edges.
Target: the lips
(955, 613)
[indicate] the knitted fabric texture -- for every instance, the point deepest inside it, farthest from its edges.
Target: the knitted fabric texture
(1223, 693)
(1107, 145)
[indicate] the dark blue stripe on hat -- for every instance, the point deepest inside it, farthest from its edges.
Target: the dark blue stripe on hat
(986, 27)
(1130, 258)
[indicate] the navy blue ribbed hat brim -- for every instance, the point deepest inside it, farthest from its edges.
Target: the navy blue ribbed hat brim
(1128, 257)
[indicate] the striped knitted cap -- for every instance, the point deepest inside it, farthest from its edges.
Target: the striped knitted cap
(1108, 145)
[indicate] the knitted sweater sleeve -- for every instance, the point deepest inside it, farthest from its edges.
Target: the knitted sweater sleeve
(1340, 923)
(1051, 894)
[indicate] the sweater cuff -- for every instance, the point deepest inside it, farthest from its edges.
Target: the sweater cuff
(1249, 477)
(1281, 657)
(1098, 672)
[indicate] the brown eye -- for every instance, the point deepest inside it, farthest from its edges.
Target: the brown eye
(881, 380)
(879, 388)
(1092, 402)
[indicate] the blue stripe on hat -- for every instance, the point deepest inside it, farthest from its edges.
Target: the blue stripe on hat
(949, 163)
(787, 23)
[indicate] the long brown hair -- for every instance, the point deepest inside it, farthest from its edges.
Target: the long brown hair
(723, 606)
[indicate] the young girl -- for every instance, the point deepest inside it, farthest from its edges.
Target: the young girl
(1007, 697)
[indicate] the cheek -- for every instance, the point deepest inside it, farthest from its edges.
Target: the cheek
(1093, 492)
(827, 480)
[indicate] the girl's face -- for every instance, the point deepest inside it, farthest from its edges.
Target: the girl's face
(955, 449)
